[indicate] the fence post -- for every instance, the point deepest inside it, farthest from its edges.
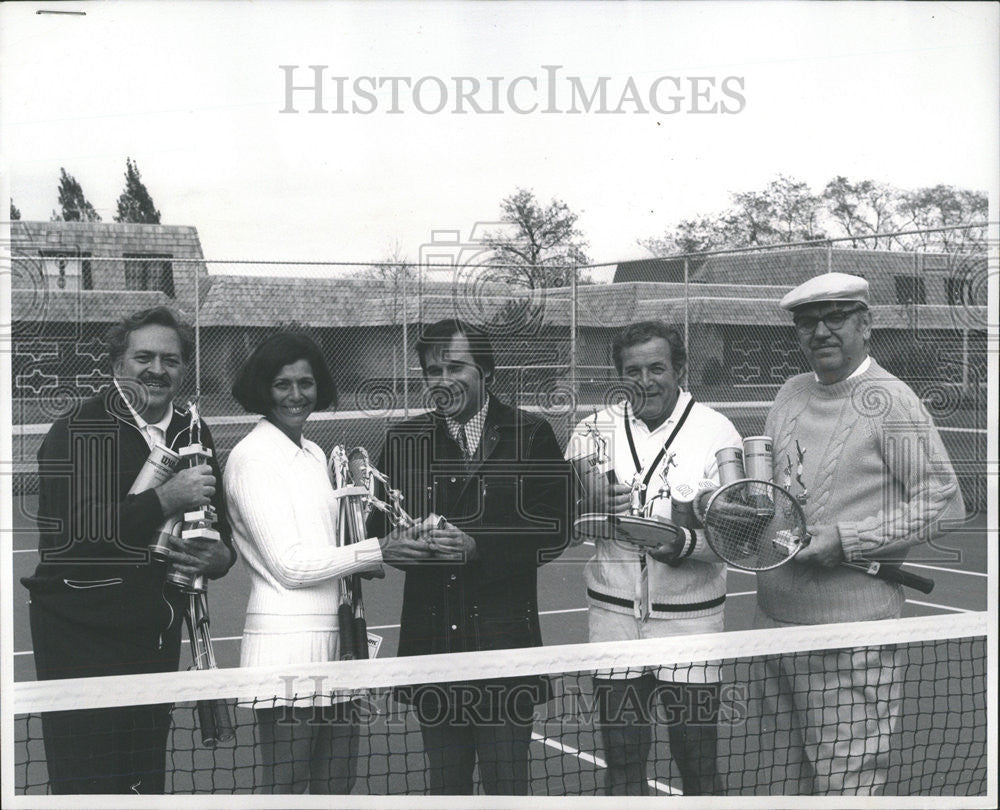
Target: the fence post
(965, 361)
(574, 383)
(406, 352)
(687, 304)
(829, 257)
(197, 338)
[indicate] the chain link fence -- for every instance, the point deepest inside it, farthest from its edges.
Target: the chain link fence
(552, 343)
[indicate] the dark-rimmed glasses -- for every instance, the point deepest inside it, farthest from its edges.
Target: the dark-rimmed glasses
(833, 320)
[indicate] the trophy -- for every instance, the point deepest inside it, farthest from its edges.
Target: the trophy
(197, 524)
(803, 496)
(213, 715)
(638, 530)
(352, 492)
(664, 492)
(392, 507)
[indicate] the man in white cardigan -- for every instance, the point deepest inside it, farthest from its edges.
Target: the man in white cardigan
(665, 438)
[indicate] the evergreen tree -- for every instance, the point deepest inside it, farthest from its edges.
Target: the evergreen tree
(15, 212)
(135, 204)
(75, 206)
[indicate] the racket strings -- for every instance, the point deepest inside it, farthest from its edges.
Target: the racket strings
(755, 525)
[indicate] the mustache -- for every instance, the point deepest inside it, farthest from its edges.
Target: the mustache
(155, 378)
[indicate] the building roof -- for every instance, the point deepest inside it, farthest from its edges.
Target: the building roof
(719, 292)
(84, 306)
(104, 245)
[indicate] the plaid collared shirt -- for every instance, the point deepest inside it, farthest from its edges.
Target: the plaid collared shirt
(473, 430)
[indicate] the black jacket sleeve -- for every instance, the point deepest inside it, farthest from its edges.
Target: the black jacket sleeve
(535, 527)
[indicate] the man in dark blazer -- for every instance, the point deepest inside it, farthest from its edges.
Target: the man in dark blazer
(496, 474)
(99, 605)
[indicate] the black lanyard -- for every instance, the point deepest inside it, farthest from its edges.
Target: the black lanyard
(663, 450)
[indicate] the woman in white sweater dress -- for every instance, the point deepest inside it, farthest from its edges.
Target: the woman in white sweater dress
(284, 519)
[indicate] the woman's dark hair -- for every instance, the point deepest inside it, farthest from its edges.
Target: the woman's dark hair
(252, 388)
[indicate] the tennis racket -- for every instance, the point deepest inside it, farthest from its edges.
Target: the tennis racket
(757, 525)
(214, 720)
(754, 525)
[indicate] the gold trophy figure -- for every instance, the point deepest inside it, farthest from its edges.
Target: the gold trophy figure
(664, 492)
(636, 531)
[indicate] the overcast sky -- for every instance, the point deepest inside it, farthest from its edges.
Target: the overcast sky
(904, 93)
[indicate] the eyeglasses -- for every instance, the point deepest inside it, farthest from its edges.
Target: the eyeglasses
(806, 324)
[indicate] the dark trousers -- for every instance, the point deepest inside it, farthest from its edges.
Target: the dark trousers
(626, 709)
(502, 750)
(114, 750)
(486, 721)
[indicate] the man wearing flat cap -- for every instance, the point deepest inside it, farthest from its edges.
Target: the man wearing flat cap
(877, 483)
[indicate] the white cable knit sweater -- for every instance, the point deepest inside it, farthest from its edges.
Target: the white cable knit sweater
(876, 467)
(284, 520)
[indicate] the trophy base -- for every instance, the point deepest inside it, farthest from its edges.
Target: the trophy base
(201, 534)
(631, 530)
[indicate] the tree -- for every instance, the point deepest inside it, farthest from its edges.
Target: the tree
(784, 211)
(134, 203)
(863, 208)
(703, 233)
(540, 245)
(392, 272)
(15, 212)
(75, 206)
(794, 210)
(943, 206)
(787, 211)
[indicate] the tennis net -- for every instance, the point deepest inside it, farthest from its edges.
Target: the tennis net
(909, 694)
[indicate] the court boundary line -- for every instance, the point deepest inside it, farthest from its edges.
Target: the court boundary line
(561, 611)
(593, 759)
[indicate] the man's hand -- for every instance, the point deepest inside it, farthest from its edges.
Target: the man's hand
(190, 489)
(670, 538)
(447, 542)
(403, 546)
(666, 552)
(607, 498)
(824, 548)
(196, 556)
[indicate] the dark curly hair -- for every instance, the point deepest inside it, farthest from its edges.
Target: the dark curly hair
(252, 388)
(117, 335)
(643, 331)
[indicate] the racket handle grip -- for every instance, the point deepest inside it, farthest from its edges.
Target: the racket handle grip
(224, 730)
(345, 622)
(206, 723)
(892, 574)
(360, 630)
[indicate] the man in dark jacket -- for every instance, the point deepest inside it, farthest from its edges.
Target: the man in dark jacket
(99, 605)
(496, 474)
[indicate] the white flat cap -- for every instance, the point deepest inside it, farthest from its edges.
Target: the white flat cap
(827, 287)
